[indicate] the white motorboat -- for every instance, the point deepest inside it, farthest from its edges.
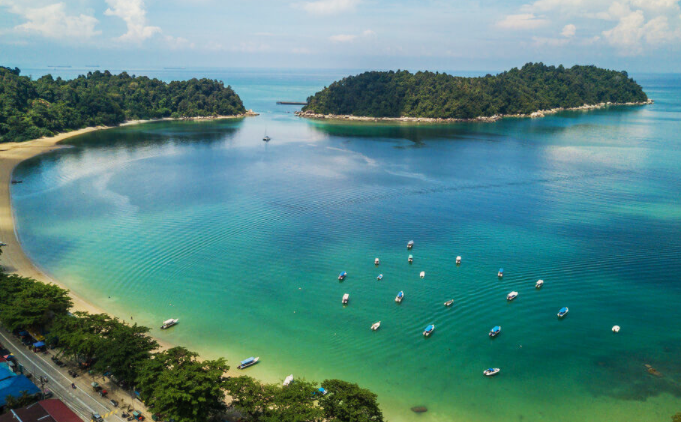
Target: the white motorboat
(380, 277)
(490, 372)
(449, 302)
(346, 298)
(169, 323)
(539, 284)
(512, 296)
(399, 297)
(458, 260)
(616, 329)
(377, 261)
(429, 330)
(410, 244)
(423, 274)
(500, 274)
(376, 325)
(288, 380)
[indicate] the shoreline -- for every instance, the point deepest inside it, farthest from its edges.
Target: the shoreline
(484, 119)
(14, 259)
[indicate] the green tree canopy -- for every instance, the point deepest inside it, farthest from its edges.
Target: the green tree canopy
(438, 95)
(32, 303)
(31, 109)
(347, 402)
(179, 386)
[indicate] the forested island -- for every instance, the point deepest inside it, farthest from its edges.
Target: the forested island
(46, 106)
(534, 88)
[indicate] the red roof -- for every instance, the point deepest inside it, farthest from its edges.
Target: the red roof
(59, 411)
(52, 410)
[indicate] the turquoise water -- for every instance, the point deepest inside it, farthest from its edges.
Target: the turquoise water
(243, 241)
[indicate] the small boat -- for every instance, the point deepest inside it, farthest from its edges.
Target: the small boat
(423, 274)
(429, 330)
(169, 323)
(512, 296)
(266, 138)
(377, 261)
(342, 275)
(346, 298)
(380, 277)
(562, 312)
(248, 362)
(490, 372)
(375, 326)
(449, 302)
(410, 244)
(616, 329)
(14, 182)
(458, 260)
(495, 331)
(539, 284)
(288, 380)
(500, 273)
(410, 259)
(399, 297)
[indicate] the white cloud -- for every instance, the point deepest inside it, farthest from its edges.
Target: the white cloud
(522, 21)
(178, 43)
(52, 21)
(351, 37)
(569, 30)
(301, 50)
(134, 15)
(552, 42)
(633, 33)
(328, 7)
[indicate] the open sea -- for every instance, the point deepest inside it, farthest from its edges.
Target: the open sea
(244, 240)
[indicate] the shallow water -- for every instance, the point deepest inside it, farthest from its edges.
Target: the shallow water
(243, 241)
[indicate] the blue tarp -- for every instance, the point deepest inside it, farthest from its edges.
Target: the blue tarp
(14, 386)
(39, 344)
(5, 372)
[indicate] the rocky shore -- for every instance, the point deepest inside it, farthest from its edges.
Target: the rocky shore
(539, 113)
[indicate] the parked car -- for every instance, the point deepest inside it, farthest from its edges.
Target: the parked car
(114, 403)
(97, 418)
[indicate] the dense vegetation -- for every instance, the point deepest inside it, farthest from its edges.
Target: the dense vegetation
(437, 95)
(31, 109)
(174, 383)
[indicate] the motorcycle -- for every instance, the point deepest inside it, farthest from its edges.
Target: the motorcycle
(73, 386)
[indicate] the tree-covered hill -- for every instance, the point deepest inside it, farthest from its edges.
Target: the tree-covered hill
(31, 109)
(438, 95)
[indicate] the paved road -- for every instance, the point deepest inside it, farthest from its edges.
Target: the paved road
(82, 400)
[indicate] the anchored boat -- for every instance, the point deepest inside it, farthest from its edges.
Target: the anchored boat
(616, 329)
(562, 312)
(410, 244)
(423, 274)
(429, 330)
(410, 259)
(458, 260)
(539, 284)
(346, 298)
(375, 326)
(377, 261)
(248, 362)
(512, 296)
(399, 297)
(495, 331)
(342, 275)
(500, 274)
(169, 323)
(449, 302)
(380, 277)
(490, 372)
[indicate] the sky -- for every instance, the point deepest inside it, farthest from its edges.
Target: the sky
(478, 35)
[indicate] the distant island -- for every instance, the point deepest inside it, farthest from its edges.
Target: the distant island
(31, 109)
(533, 90)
